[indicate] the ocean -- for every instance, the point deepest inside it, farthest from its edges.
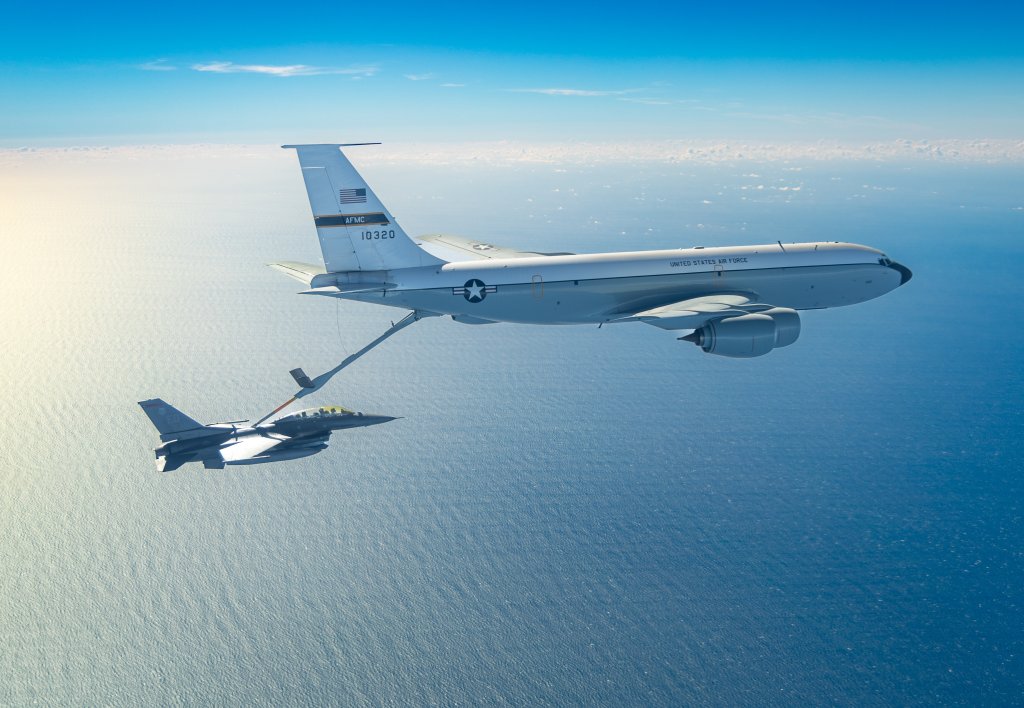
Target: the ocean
(563, 515)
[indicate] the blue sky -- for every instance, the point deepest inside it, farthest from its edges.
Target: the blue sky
(560, 71)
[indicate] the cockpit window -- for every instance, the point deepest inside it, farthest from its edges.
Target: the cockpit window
(321, 412)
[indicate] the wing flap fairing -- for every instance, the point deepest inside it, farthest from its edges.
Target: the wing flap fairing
(695, 312)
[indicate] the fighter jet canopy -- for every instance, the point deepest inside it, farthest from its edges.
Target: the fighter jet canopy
(320, 412)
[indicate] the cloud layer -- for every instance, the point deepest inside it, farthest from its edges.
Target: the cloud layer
(282, 70)
(571, 91)
(581, 153)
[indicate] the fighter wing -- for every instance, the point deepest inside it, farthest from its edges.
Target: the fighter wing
(252, 446)
(456, 248)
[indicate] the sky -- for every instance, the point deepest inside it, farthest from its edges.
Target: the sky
(710, 556)
(197, 72)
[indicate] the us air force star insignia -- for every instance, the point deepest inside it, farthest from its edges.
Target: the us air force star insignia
(474, 290)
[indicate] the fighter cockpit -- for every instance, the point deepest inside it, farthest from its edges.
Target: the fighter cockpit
(321, 412)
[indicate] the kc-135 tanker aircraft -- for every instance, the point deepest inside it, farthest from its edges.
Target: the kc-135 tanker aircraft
(735, 301)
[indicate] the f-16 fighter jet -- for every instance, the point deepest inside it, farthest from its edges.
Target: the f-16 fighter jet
(299, 434)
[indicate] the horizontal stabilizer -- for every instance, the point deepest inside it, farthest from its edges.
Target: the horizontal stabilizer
(173, 462)
(334, 145)
(321, 282)
(303, 272)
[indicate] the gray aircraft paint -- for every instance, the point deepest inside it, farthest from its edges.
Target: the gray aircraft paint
(297, 434)
(475, 282)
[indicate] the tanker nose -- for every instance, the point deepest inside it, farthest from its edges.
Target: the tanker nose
(905, 274)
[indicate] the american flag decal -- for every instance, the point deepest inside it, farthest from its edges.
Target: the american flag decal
(352, 196)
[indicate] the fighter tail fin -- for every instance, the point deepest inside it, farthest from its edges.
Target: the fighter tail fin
(168, 419)
(356, 231)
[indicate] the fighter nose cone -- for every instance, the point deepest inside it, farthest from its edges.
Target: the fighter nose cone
(371, 419)
(905, 274)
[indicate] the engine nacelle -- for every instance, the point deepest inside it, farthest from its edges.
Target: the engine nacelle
(787, 325)
(741, 337)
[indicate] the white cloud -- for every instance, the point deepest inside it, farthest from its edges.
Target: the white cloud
(571, 92)
(157, 65)
(452, 85)
(649, 101)
(283, 70)
(418, 77)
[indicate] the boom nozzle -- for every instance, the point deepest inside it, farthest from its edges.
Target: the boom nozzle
(301, 379)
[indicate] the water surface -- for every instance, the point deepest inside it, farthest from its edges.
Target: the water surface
(564, 515)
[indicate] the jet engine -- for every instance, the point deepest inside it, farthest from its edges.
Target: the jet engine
(787, 325)
(747, 336)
